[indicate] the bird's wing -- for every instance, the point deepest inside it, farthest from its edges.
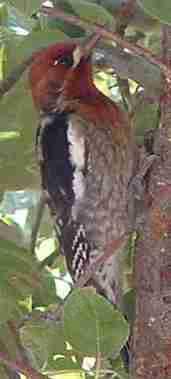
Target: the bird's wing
(80, 171)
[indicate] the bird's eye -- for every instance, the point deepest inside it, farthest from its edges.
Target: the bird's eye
(65, 60)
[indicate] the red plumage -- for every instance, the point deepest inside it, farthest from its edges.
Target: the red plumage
(86, 155)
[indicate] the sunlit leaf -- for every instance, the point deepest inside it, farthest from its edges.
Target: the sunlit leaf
(38, 40)
(69, 375)
(158, 8)
(42, 339)
(92, 325)
(27, 7)
(6, 136)
(20, 277)
(92, 12)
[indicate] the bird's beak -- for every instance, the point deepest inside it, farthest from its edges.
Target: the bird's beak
(84, 50)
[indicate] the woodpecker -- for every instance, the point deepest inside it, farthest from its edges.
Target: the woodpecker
(86, 153)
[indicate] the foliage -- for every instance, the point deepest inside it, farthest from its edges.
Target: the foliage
(28, 300)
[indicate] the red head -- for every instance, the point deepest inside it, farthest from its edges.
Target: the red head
(50, 69)
(61, 78)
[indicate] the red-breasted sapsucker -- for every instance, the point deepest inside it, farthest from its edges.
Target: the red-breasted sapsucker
(86, 154)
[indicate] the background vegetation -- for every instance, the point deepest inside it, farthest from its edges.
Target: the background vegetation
(33, 286)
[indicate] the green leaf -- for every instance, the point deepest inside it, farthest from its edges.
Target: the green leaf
(3, 13)
(119, 369)
(42, 340)
(69, 374)
(18, 123)
(159, 9)
(6, 136)
(112, 5)
(38, 40)
(19, 119)
(20, 277)
(27, 7)
(92, 12)
(92, 325)
(45, 294)
(62, 363)
(73, 31)
(18, 22)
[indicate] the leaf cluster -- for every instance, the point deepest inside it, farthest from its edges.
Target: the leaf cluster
(31, 289)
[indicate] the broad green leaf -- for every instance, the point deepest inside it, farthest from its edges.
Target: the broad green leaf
(158, 8)
(3, 13)
(27, 7)
(112, 5)
(42, 340)
(92, 325)
(45, 294)
(18, 116)
(20, 49)
(11, 231)
(71, 30)
(38, 40)
(92, 12)
(21, 277)
(17, 138)
(20, 23)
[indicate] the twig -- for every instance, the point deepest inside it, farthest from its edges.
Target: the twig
(19, 366)
(107, 34)
(14, 76)
(98, 365)
(99, 355)
(86, 46)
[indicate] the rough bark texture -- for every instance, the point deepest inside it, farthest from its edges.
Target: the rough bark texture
(151, 345)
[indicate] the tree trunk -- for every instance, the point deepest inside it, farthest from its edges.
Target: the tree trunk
(151, 342)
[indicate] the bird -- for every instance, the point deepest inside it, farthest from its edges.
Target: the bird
(86, 154)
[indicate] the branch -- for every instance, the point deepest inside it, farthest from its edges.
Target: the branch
(19, 366)
(106, 34)
(124, 63)
(130, 66)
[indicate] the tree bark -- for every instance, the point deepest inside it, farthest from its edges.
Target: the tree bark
(151, 342)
